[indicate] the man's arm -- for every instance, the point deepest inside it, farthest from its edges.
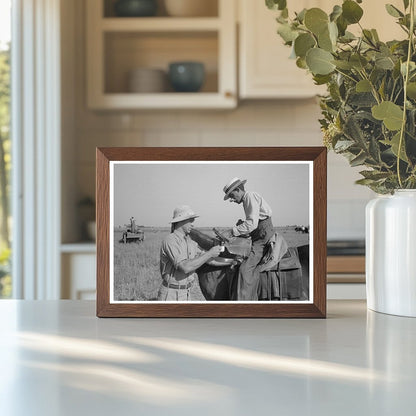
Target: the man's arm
(252, 211)
(189, 266)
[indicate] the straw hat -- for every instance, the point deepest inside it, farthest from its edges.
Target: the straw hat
(182, 213)
(234, 183)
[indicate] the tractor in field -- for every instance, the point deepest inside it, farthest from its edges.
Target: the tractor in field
(132, 233)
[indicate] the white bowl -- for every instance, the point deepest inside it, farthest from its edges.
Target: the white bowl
(191, 8)
(147, 80)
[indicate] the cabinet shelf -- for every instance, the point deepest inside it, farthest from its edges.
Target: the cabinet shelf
(160, 24)
(198, 100)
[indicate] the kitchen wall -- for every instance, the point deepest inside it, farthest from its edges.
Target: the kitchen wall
(253, 123)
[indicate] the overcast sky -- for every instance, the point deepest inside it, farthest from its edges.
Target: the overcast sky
(150, 192)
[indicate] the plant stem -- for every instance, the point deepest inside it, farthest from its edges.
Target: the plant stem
(373, 88)
(346, 75)
(405, 81)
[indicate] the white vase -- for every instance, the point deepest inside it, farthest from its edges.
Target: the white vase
(391, 253)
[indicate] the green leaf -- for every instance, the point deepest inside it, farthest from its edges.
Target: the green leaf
(375, 35)
(343, 145)
(287, 33)
(342, 25)
(363, 86)
(301, 63)
(321, 79)
(365, 182)
(374, 150)
(412, 67)
(281, 19)
(319, 61)
(394, 143)
(303, 43)
(353, 130)
(384, 62)
(316, 20)
(374, 174)
(368, 36)
(358, 61)
(393, 11)
(301, 15)
(333, 32)
(362, 99)
(391, 114)
(382, 89)
(411, 90)
(351, 11)
(325, 42)
(344, 65)
(276, 4)
(359, 160)
(336, 12)
(347, 38)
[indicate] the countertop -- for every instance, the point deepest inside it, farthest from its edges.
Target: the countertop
(57, 358)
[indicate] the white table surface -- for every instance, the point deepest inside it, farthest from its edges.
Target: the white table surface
(57, 358)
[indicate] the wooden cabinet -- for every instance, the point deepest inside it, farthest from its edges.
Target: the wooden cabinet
(118, 45)
(265, 69)
(78, 264)
(343, 269)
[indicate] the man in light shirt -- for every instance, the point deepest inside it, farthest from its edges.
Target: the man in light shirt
(258, 225)
(180, 256)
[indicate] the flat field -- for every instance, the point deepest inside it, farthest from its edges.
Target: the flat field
(136, 265)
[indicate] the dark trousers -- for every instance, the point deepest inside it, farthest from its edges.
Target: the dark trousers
(249, 275)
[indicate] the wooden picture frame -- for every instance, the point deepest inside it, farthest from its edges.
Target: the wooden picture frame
(124, 179)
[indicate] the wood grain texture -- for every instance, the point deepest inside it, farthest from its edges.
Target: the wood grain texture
(346, 264)
(317, 309)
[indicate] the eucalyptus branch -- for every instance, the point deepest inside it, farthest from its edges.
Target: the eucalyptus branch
(397, 95)
(346, 75)
(405, 81)
(392, 91)
(373, 88)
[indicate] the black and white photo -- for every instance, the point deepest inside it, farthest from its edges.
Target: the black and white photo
(210, 231)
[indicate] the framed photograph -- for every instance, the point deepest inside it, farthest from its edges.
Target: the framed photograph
(211, 232)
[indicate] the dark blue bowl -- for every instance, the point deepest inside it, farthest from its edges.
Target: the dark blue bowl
(186, 76)
(135, 8)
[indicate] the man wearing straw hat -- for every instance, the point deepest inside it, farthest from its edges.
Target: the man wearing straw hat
(180, 256)
(258, 225)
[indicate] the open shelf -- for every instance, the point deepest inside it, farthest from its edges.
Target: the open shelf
(118, 45)
(127, 51)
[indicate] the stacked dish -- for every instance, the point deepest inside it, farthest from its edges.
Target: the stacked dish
(147, 80)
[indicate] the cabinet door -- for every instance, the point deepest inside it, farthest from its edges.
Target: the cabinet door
(266, 71)
(78, 276)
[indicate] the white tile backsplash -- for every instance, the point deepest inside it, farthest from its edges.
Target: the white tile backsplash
(257, 123)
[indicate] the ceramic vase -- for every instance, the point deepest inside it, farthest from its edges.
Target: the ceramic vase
(391, 253)
(186, 76)
(135, 8)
